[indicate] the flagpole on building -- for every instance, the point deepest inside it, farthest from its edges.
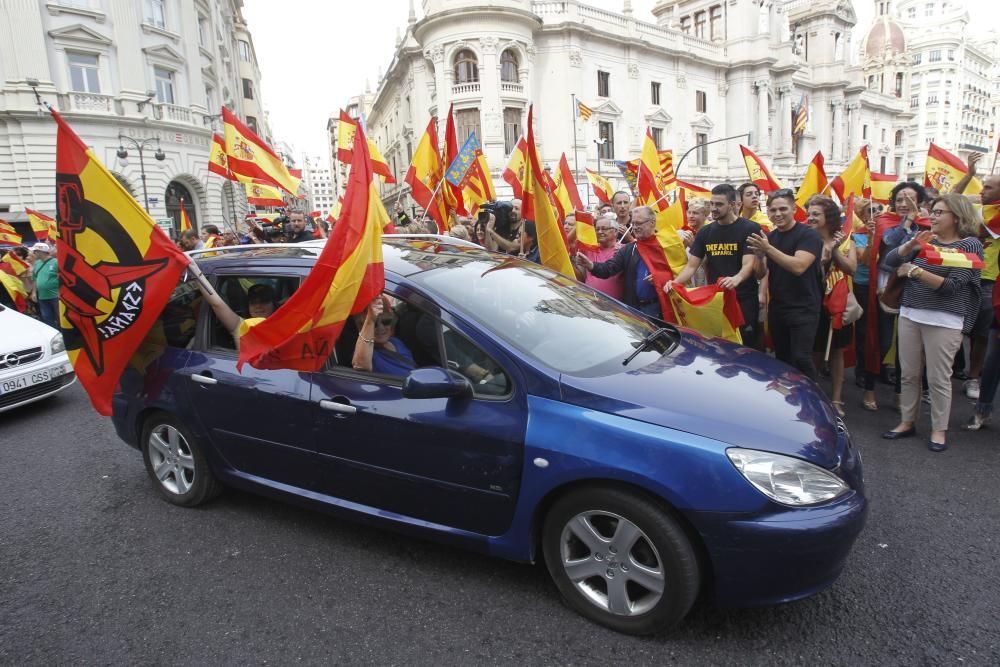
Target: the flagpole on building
(576, 157)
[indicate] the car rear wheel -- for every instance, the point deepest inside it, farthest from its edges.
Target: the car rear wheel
(176, 463)
(620, 560)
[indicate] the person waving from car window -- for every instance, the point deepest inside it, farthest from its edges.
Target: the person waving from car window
(377, 349)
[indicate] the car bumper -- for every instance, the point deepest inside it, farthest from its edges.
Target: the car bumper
(61, 376)
(781, 556)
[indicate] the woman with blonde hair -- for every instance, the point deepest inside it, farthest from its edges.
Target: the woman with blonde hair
(939, 304)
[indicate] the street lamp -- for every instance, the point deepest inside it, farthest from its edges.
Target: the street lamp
(600, 142)
(139, 146)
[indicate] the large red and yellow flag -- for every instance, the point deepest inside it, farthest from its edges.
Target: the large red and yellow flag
(666, 180)
(262, 193)
(347, 276)
(814, 183)
(42, 225)
(15, 288)
(882, 185)
(8, 234)
(218, 161)
(185, 220)
(517, 166)
(565, 193)
(856, 178)
(711, 310)
(478, 185)
(648, 183)
(758, 172)
(943, 171)
(117, 269)
(425, 175)
(551, 238)
(950, 257)
(602, 187)
(452, 193)
(250, 157)
(14, 264)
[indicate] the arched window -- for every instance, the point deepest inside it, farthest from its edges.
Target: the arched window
(466, 67)
(508, 67)
(172, 201)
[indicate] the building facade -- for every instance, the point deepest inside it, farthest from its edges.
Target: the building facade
(318, 181)
(123, 72)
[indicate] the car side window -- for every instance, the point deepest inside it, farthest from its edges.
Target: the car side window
(464, 356)
(250, 297)
(180, 315)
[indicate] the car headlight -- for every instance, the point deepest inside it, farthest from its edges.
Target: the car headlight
(57, 344)
(785, 479)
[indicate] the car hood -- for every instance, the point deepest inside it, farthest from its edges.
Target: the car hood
(722, 391)
(21, 331)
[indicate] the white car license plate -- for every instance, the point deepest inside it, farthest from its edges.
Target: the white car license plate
(30, 379)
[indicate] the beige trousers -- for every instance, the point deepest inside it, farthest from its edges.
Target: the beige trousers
(935, 347)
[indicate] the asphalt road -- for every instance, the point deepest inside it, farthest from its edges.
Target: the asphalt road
(96, 568)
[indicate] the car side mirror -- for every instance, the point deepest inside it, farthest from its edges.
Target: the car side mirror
(436, 382)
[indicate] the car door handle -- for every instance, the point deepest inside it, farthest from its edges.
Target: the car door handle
(333, 406)
(204, 379)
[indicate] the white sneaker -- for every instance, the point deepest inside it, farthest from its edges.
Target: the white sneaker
(972, 389)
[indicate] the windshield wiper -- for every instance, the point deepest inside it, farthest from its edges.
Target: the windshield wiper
(649, 340)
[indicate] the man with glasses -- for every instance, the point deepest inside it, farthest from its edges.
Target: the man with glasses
(607, 246)
(638, 289)
(722, 249)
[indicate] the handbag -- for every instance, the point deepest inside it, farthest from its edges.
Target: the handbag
(891, 296)
(853, 311)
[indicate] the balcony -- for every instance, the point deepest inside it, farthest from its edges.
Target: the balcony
(465, 88)
(87, 102)
(173, 113)
(511, 87)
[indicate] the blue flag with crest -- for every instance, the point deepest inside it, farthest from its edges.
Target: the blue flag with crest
(459, 167)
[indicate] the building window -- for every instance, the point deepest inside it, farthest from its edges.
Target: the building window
(911, 13)
(882, 164)
(155, 13)
(202, 30)
(700, 101)
(899, 84)
(252, 124)
(686, 25)
(934, 56)
(244, 48)
(883, 135)
(511, 129)
(603, 84)
(928, 9)
(914, 101)
(899, 138)
(864, 132)
(466, 68)
(164, 85)
(701, 139)
(467, 122)
(83, 72)
(508, 67)
(699, 24)
(917, 58)
(606, 132)
(951, 54)
(654, 93)
(715, 23)
(248, 89)
(657, 137)
(209, 98)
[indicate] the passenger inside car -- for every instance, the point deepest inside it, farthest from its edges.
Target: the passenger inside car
(255, 299)
(377, 349)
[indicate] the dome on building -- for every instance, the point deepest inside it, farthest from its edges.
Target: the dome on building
(885, 34)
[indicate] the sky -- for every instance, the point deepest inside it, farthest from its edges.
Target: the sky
(315, 54)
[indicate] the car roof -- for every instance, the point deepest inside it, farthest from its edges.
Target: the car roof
(397, 253)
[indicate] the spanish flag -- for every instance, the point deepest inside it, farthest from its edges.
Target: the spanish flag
(991, 220)
(346, 128)
(249, 156)
(566, 194)
(334, 213)
(8, 234)
(601, 186)
(650, 192)
(586, 233)
(882, 185)
(855, 179)
(943, 170)
(691, 190)
(838, 286)
(185, 220)
(758, 172)
(669, 222)
(379, 165)
(666, 180)
(709, 310)
(117, 269)
(516, 169)
(478, 185)
(15, 288)
(552, 246)
(426, 174)
(218, 162)
(938, 256)
(814, 183)
(15, 264)
(347, 276)
(42, 225)
(262, 193)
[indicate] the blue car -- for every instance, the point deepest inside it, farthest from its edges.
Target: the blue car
(519, 413)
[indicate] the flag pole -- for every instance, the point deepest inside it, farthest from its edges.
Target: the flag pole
(423, 218)
(576, 157)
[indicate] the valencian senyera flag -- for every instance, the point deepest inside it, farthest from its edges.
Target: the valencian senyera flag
(453, 198)
(346, 277)
(951, 257)
(711, 310)
(478, 185)
(458, 170)
(117, 269)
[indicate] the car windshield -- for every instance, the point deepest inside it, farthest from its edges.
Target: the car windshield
(561, 323)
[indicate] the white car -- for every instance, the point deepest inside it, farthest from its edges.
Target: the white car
(33, 360)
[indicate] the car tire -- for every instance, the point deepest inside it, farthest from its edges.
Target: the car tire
(176, 463)
(620, 559)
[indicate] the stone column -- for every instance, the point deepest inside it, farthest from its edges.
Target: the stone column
(854, 118)
(784, 143)
(124, 16)
(762, 143)
(837, 147)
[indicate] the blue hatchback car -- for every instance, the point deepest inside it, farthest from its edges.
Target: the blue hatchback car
(533, 417)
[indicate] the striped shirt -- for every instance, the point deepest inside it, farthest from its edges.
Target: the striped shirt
(958, 294)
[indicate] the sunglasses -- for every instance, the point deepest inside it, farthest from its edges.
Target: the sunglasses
(385, 321)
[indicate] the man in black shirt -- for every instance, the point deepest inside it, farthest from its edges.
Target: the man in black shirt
(795, 281)
(721, 248)
(296, 232)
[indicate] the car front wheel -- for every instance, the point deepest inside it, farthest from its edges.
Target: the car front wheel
(176, 463)
(620, 560)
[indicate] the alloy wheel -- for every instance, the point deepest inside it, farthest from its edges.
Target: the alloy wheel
(171, 459)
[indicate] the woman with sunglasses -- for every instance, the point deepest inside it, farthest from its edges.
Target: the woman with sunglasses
(377, 349)
(938, 304)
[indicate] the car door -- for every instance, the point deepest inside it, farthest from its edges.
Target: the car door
(450, 461)
(258, 420)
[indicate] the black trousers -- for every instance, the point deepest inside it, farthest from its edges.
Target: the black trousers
(750, 331)
(793, 333)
